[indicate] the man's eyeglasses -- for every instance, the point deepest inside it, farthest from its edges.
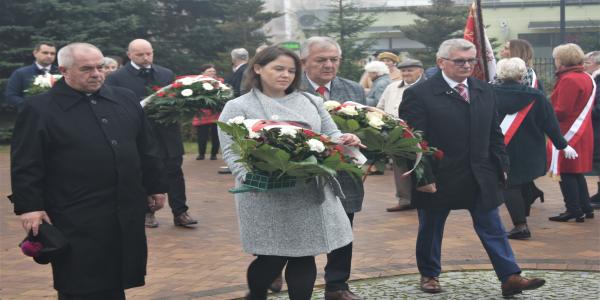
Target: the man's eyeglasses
(462, 62)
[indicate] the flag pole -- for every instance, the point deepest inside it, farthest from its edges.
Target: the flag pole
(481, 33)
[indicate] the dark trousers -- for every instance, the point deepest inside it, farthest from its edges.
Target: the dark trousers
(300, 275)
(339, 263)
(488, 227)
(176, 183)
(202, 132)
(515, 204)
(103, 295)
(575, 193)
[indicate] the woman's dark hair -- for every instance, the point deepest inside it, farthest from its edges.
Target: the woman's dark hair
(264, 57)
(205, 67)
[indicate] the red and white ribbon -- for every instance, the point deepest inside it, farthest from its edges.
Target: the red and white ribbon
(574, 132)
(512, 122)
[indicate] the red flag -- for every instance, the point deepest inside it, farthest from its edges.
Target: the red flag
(475, 33)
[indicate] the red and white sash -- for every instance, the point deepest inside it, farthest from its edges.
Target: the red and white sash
(512, 122)
(575, 131)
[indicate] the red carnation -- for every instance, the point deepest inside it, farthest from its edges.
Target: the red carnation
(161, 94)
(309, 132)
(424, 145)
(156, 88)
(176, 85)
(407, 134)
(438, 154)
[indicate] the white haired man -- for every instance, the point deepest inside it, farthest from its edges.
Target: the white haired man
(321, 57)
(83, 158)
(457, 114)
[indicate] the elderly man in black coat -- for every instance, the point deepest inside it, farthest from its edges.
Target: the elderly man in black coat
(457, 114)
(84, 159)
(140, 75)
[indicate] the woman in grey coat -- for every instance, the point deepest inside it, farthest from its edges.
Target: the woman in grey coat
(295, 224)
(379, 74)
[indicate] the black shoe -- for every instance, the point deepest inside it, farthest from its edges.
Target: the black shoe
(566, 216)
(519, 233)
(589, 215)
(200, 157)
(213, 157)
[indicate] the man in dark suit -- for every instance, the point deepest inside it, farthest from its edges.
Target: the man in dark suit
(321, 59)
(139, 75)
(83, 158)
(21, 79)
(239, 61)
(457, 114)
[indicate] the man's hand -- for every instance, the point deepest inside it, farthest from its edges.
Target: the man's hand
(430, 188)
(350, 139)
(33, 220)
(156, 201)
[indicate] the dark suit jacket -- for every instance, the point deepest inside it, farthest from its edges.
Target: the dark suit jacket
(344, 90)
(470, 137)
(169, 137)
(20, 80)
(235, 80)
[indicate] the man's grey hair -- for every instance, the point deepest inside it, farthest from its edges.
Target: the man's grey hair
(453, 45)
(378, 67)
(511, 69)
(240, 54)
(65, 54)
(109, 61)
(593, 56)
(321, 42)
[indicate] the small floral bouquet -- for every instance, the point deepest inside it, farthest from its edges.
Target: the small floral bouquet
(183, 99)
(280, 150)
(386, 137)
(41, 84)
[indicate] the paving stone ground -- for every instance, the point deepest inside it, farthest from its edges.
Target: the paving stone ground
(468, 285)
(207, 262)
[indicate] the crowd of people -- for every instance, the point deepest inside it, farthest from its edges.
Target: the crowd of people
(85, 159)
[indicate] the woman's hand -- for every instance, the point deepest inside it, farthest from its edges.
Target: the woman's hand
(350, 139)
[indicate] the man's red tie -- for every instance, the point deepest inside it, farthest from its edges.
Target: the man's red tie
(462, 90)
(321, 90)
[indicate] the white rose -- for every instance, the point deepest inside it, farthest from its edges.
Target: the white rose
(224, 87)
(187, 92)
(186, 81)
(252, 134)
(316, 145)
(288, 131)
(375, 119)
(330, 105)
(207, 86)
(237, 120)
(349, 110)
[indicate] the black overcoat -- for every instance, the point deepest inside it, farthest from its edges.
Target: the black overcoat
(527, 148)
(596, 125)
(168, 136)
(470, 137)
(89, 162)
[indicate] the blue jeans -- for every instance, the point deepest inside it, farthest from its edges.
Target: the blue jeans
(488, 227)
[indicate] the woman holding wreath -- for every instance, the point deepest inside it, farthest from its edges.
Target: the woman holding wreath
(287, 226)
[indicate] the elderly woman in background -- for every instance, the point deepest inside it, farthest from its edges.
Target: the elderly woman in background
(110, 65)
(206, 123)
(379, 74)
(527, 147)
(288, 225)
(523, 50)
(572, 100)
(592, 67)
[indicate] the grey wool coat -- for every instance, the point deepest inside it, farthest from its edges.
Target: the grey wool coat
(299, 221)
